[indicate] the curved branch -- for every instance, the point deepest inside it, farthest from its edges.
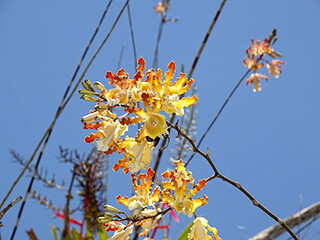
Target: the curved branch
(217, 174)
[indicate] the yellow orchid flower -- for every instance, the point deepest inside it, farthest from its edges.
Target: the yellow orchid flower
(122, 234)
(154, 124)
(181, 200)
(111, 132)
(141, 153)
(199, 230)
(143, 196)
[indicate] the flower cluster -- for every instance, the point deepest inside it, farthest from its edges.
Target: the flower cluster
(181, 199)
(255, 55)
(143, 102)
(148, 206)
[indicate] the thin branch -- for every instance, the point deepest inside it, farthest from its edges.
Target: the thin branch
(307, 225)
(60, 108)
(10, 205)
(219, 112)
(195, 61)
(132, 38)
(31, 234)
(63, 106)
(136, 234)
(120, 57)
(156, 52)
(217, 174)
(43, 201)
(133, 45)
(44, 179)
(194, 147)
(66, 229)
(214, 20)
(292, 221)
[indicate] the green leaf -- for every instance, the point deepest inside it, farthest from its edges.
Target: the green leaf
(185, 233)
(101, 232)
(88, 225)
(75, 234)
(54, 232)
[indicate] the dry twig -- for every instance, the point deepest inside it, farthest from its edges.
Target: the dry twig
(217, 174)
(10, 205)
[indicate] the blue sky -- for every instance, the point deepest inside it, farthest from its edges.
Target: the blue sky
(268, 141)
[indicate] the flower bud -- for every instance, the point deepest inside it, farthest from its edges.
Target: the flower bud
(89, 98)
(104, 220)
(85, 85)
(108, 215)
(101, 107)
(86, 92)
(88, 85)
(92, 117)
(110, 208)
(99, 86)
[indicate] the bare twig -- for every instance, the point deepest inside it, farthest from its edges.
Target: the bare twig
(132, 38)
(194, 148)
(138, 228)
(217, 174)
(10, 205)
(156, 51)
(194, 64)
(120, 57)
(66, 229)
(39, 176)
(213, 23)
(43, 201)
(292, 221)
(307, 225)
(218, 114)
(31, 234)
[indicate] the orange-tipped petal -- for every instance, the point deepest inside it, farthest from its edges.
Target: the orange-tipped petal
(123, 200)
(169, 75)
(92, 137)
(189, 100)
(141, 64)
(198, 202)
